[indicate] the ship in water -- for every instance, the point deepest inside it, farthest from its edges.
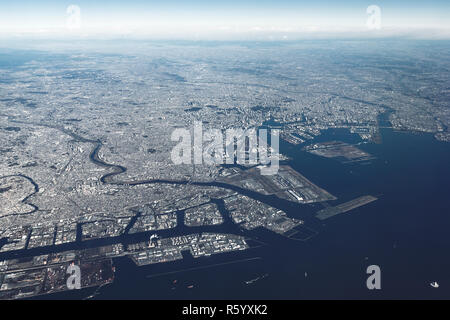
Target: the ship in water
(256, 279)
(434, 284)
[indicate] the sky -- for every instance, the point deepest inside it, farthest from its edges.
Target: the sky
(231, 19)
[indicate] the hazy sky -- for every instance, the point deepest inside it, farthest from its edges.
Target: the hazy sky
(224, 19)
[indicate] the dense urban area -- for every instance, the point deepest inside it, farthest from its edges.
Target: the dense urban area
(86, 145)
